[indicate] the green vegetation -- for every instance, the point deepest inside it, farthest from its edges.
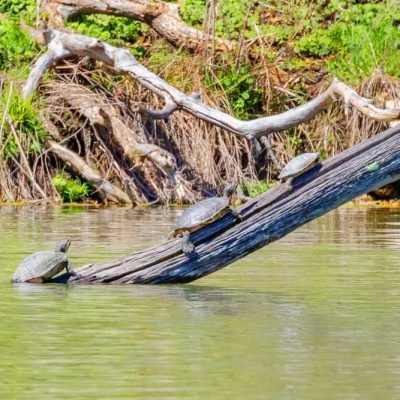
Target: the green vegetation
(24, 119)
(354, 37)
(118, 31)
(193, 11)
(363, 37)
(23, 10)
(17, 49)
(240, 87)
(254, 188)
(71, 190)
(235, 18)
(351, 37)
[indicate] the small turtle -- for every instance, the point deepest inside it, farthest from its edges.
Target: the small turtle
(298, 166)
(43, 265)
(202, 213)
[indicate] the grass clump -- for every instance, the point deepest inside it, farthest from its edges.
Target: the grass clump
(362, 38)
(234, 18)
(23, 116)
(16, 47)
(193, 11)
(240, 87)
(254, 188)
(71, 190)
(24, 10)
(118, 31)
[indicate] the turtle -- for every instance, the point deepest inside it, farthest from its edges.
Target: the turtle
(43, 265)
(203, 213)
(298, 166)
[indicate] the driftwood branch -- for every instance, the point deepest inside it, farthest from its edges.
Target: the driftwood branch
(62, 45)
(169, 108)
(165, 113)
(163, 17)
(98, 111)
(110, 191)
(269, 217)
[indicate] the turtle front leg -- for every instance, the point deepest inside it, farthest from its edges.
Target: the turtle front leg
(236, 214)
(69, 269)
(187, 245)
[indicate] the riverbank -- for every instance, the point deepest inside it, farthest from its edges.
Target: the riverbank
(364, 201)
(300, 48)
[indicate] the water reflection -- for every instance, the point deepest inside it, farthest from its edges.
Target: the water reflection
(313, 316)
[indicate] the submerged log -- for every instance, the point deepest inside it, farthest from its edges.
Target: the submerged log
(358, 170)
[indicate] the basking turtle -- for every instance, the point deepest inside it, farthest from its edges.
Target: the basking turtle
(202, 213)
(299, 165)
(43, 265)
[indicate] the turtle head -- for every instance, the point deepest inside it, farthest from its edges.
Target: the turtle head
(230, 188)
(63, 246)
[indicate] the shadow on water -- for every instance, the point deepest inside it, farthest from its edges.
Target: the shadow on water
(207, 299)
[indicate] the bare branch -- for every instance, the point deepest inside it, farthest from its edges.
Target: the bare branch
(96, 109)
(165, 113)
(162, 158)
(168, 109)
(111, 192)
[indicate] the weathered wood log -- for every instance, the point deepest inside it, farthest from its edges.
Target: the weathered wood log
(163, 17)
(267, 218)
(62, 45)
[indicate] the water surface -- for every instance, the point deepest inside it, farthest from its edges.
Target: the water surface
(313, 316)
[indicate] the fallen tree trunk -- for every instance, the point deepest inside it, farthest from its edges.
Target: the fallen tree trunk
(163, 17)
(360, 169)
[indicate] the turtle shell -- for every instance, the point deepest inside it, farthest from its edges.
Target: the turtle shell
(43, 264)
(298, 165)
(201, 213)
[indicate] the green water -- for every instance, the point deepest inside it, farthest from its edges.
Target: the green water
(313, 316)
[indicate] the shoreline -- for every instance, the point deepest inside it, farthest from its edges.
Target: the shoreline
(364, 201)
